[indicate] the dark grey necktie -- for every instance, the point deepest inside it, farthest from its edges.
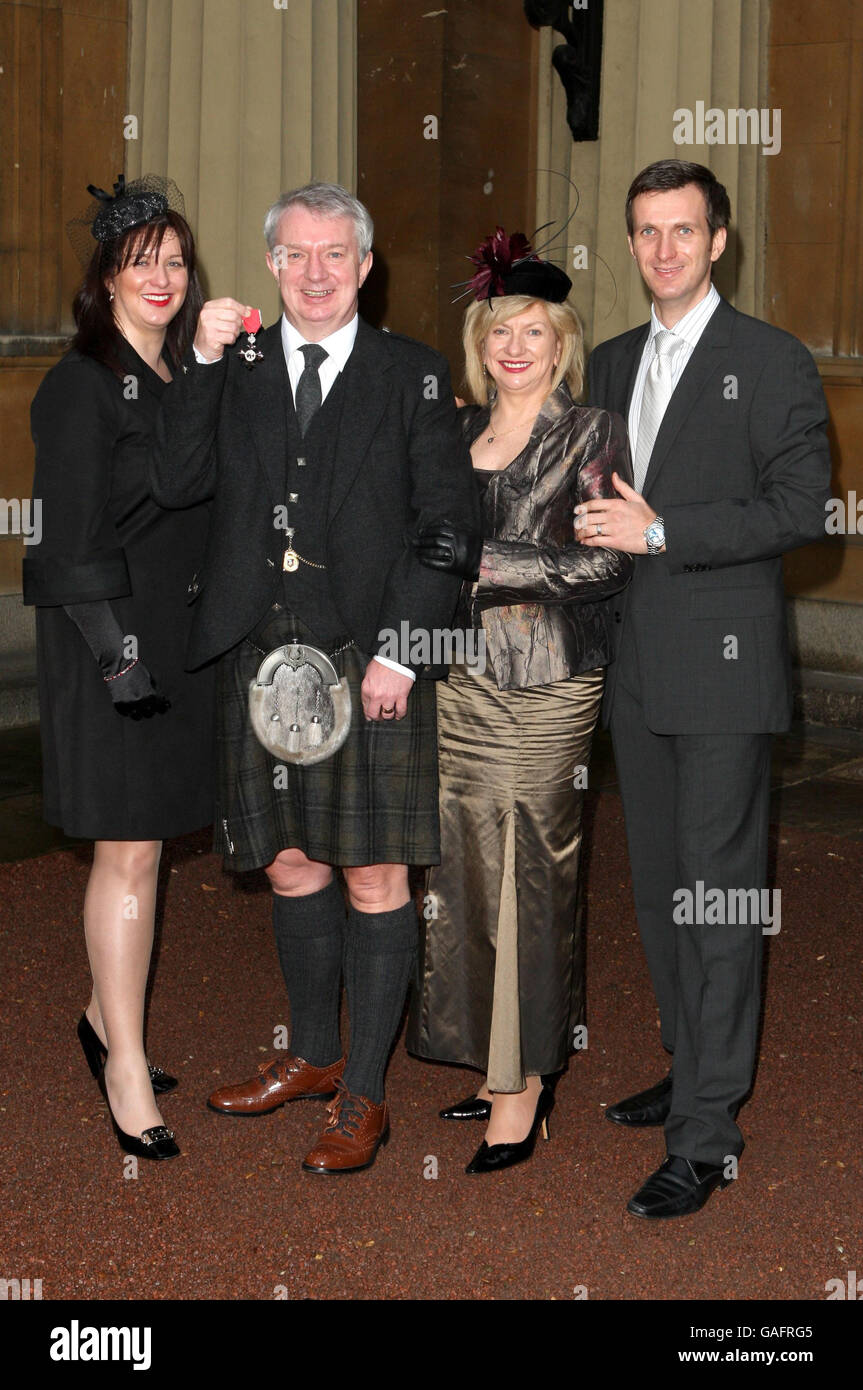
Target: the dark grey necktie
(309, 395)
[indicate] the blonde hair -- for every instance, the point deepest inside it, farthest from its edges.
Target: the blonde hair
(481, 317)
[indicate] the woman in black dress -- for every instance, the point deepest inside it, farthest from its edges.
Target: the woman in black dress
(126, 732)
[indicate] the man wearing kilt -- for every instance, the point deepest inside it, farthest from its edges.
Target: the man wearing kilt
(327, 447)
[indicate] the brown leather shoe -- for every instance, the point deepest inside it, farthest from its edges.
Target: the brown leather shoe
(354, 1132)
(278, 1081)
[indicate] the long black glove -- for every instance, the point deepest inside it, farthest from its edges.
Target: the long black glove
(128, 683)
(444, 546)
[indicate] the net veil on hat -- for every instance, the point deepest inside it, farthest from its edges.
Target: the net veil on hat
(132, 204)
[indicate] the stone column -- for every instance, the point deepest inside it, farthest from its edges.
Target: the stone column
(658, 56)
(238, 100)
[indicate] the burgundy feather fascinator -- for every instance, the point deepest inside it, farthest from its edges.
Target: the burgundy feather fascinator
(494, 258)
(508, 265)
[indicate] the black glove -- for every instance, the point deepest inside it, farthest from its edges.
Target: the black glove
(151, 704)
(443, 546)
(129, 683)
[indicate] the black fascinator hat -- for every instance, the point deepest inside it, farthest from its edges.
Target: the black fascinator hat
(508, 265)
(110, 216)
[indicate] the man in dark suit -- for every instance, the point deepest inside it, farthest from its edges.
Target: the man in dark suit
(727, 425)
(326, 449)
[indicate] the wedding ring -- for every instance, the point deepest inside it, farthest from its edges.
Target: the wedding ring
(391, 709)
(598, 529)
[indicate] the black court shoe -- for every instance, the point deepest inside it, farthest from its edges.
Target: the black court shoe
(492, 1158)
(157, 1142)
(96, 1054)
(471, 1108)
(475, 1108)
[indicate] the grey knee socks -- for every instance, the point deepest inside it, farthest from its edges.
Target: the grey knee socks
(380, 951)
(309, 937)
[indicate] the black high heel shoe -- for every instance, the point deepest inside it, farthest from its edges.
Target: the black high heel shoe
(471, 1108)
(476, 1108)
(492, 1158)
(156, 1142)
(96, 1054)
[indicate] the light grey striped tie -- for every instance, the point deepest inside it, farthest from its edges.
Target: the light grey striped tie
(657, 394)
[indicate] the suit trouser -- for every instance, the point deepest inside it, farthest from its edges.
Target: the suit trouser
(696, 809)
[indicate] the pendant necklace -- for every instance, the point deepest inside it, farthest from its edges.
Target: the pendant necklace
(501, 434)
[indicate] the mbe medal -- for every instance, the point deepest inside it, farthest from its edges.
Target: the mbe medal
(252, 325)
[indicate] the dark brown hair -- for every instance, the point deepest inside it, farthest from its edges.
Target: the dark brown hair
(97, 332)
(667, 174)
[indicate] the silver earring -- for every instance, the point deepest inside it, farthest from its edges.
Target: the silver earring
(110, 295)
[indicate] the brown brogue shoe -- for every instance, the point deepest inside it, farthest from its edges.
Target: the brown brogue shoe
(278, 1081)
(354, 1132)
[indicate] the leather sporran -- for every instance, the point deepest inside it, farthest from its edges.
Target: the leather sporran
(299, 708)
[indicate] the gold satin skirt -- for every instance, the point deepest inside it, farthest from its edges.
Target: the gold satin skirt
(500, 983)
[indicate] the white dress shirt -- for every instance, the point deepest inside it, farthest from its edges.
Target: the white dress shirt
(338, 347)
(688, 329)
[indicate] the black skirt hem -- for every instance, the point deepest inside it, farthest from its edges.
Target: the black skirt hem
(55, 818)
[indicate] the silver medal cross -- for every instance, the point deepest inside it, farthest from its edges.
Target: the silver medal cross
(250, 353)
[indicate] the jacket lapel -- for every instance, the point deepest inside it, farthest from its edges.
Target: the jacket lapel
(632, 351)
(705, 360)
(262, 389)
(367, 389)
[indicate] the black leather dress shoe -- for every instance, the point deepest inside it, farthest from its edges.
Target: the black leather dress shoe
(648, 1107)
(679, 1187)
(471, 1108)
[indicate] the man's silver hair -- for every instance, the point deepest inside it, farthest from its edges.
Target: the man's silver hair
(324, 200)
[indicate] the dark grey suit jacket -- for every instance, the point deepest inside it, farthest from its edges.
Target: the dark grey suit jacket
(399, 462)
(740, 472)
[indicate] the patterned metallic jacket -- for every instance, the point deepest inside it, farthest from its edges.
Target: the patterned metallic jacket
(542, 596)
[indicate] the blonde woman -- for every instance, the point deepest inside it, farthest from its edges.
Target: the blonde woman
(501, 986)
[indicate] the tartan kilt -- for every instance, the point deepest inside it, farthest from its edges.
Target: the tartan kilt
(375, 801)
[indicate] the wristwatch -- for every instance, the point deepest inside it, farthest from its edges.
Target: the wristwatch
(654, 534)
